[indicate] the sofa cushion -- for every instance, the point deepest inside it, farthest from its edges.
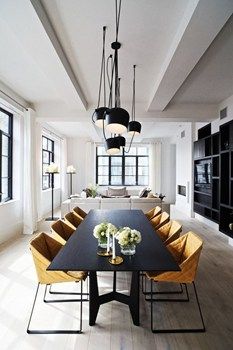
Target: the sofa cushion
(117, 192)
(144, 192)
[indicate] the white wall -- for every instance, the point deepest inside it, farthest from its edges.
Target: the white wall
(80, 154)
(168, 171)
(217, 122)
(184, 168)
(11, 213)
(44, 197)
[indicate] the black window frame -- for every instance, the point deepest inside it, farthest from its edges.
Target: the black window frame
(51, 154)
(123, 156)
(9, 135)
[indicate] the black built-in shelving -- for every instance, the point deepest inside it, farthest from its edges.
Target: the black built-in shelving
(215, 200)
(206, 196)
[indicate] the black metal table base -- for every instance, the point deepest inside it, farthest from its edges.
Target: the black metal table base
(131, 300)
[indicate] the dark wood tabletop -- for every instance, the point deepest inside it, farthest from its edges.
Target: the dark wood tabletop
(80, 251)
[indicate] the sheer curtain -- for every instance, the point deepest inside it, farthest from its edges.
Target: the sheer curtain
(155, 166)
(30, 176)
(90, 163)
(63, 165)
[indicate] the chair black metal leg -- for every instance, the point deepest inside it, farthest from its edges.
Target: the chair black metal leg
(53, 331)
(63, 300)
(68, 293)
(171, 292)
(177, 330)
(199, 307)
(33, 305)
(144, 291)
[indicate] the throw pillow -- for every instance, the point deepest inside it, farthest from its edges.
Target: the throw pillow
(115, 192)
(144, 192)
(141, 193)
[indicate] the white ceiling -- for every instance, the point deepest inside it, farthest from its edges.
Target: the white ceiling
(150, 130)
(51, 49)
(79, 25)
(211, 81)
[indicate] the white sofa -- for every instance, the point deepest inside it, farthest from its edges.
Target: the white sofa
(133, 202)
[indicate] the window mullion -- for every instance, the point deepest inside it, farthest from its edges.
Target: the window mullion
(136, 171)
(109, 170)
(97, 167)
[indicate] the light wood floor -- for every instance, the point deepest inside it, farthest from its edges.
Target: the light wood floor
(114, 329)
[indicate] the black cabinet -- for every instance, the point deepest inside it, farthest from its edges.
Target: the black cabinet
(215, 199)
(226, 136)
(199, 149)
(203, 148)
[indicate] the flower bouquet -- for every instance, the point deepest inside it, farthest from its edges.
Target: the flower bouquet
(128, 238)
(103, 232)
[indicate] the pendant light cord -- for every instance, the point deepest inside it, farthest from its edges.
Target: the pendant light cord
(102, 71)
(130, 144)
(133, 99)
(110, 79)
(118, 12)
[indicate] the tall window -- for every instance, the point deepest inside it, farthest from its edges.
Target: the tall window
(6, 136)
(129, 169)
(47, 158)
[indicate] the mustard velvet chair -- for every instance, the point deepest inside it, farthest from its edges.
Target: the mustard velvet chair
(61, 231)
(153, 212)
(186, 251)
(80, 212)
(73, 219)
(170, 231)
(160, 220)
(44, 248)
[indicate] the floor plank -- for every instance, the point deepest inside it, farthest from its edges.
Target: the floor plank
(114, 329)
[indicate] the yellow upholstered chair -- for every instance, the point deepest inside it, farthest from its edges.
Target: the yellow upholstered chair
(160, 220)
(170, 231)
(153, 212)
(73, 219)
(61, 231)
(80, 212)
(186, 251)
(44, 248)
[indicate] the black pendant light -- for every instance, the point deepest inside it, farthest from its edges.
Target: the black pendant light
(121, 140)
(112, 145)
(98, 116)
(114, 119)
(134, 127)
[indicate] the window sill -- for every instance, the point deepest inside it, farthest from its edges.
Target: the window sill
(9, 202)
(49, 189)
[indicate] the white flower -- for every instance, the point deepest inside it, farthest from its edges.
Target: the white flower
(104, 228)
(127, 236)
(52, 168)
(70, 169)
(111, 229)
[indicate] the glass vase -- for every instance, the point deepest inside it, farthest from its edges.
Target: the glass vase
(129, 249)
(102, 242)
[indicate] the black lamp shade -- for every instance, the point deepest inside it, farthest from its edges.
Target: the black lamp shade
(134, 127)
(121, 140)
(112, 145)
(99, 116)
(117, 120)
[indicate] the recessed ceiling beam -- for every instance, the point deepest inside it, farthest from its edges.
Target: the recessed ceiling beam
(201, 23)
(47, 25)
(185, 112)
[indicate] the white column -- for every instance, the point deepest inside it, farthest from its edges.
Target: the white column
(30, 169)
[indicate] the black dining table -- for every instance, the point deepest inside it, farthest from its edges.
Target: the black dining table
(80, 253)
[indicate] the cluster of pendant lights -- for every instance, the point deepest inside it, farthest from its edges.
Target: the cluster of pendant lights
(114, 120)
